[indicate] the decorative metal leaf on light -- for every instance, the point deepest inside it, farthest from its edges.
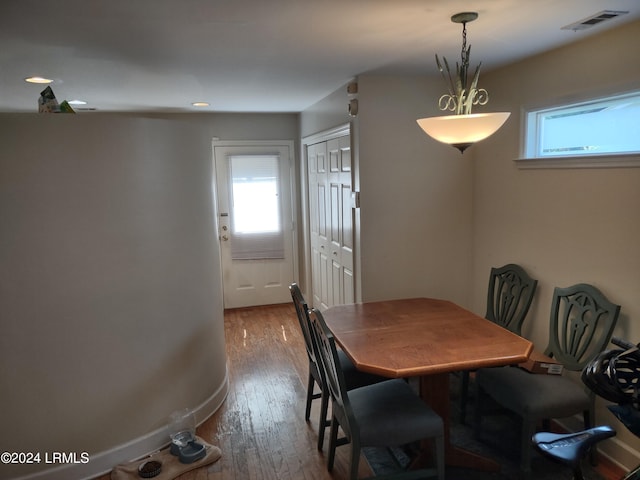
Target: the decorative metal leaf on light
(461, 97)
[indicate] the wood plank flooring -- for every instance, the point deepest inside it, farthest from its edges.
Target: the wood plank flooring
(261, 428)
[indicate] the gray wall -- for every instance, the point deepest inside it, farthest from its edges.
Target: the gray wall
(331, 111)
(256, 126)
(242, 126)
(110, 289)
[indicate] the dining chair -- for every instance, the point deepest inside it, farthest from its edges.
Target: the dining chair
(581, 323)
(353, 377)
(384, 414)
(509, 297)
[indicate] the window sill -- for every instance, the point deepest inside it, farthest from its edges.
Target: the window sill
(631, 160)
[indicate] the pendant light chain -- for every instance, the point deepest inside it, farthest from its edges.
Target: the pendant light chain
(464, 55)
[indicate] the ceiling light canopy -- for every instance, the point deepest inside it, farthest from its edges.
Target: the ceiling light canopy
(462, 129)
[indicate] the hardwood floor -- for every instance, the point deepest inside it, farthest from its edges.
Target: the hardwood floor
(261, 428)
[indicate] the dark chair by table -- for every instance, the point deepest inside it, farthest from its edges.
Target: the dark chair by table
(384, 414)
(353, 377)
(581, 324)
(509, 297)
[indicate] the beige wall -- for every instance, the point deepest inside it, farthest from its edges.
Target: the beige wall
(564, 226)
(415, 195)
(433, 222)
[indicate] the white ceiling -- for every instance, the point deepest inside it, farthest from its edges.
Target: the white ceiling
(259, 55)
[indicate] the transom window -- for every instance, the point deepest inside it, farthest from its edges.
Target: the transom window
(605, 126)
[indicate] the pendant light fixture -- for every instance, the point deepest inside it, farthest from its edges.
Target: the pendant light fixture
(463, 128)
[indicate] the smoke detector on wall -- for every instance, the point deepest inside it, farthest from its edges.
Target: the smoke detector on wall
(594, 20)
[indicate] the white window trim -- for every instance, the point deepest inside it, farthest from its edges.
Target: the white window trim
(629, 160)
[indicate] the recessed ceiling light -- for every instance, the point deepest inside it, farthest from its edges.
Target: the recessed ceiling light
(77, 102)
(200, 104)
(38, 80)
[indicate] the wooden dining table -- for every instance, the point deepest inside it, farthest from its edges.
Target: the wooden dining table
(426, 338)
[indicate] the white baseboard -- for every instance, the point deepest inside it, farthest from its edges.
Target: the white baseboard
(103, 462)
(620, 454)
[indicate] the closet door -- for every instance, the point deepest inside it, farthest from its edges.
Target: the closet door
(318, 224)
(331, 222)
(341, 213)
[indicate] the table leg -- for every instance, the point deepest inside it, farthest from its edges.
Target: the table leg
(434, 389)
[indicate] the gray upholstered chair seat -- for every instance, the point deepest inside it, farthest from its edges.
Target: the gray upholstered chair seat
(390, 413)
(581, 324)
(545, 396)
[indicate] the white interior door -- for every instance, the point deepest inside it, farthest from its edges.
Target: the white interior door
(318, 225)
(256, 228)
(331, 220)
(341, 210)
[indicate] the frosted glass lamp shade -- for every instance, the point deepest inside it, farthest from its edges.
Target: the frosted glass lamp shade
(462, 131)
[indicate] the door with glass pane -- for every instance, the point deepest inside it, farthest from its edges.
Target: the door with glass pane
(257, 238)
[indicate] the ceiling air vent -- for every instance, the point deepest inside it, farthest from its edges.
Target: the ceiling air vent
(594, 20)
